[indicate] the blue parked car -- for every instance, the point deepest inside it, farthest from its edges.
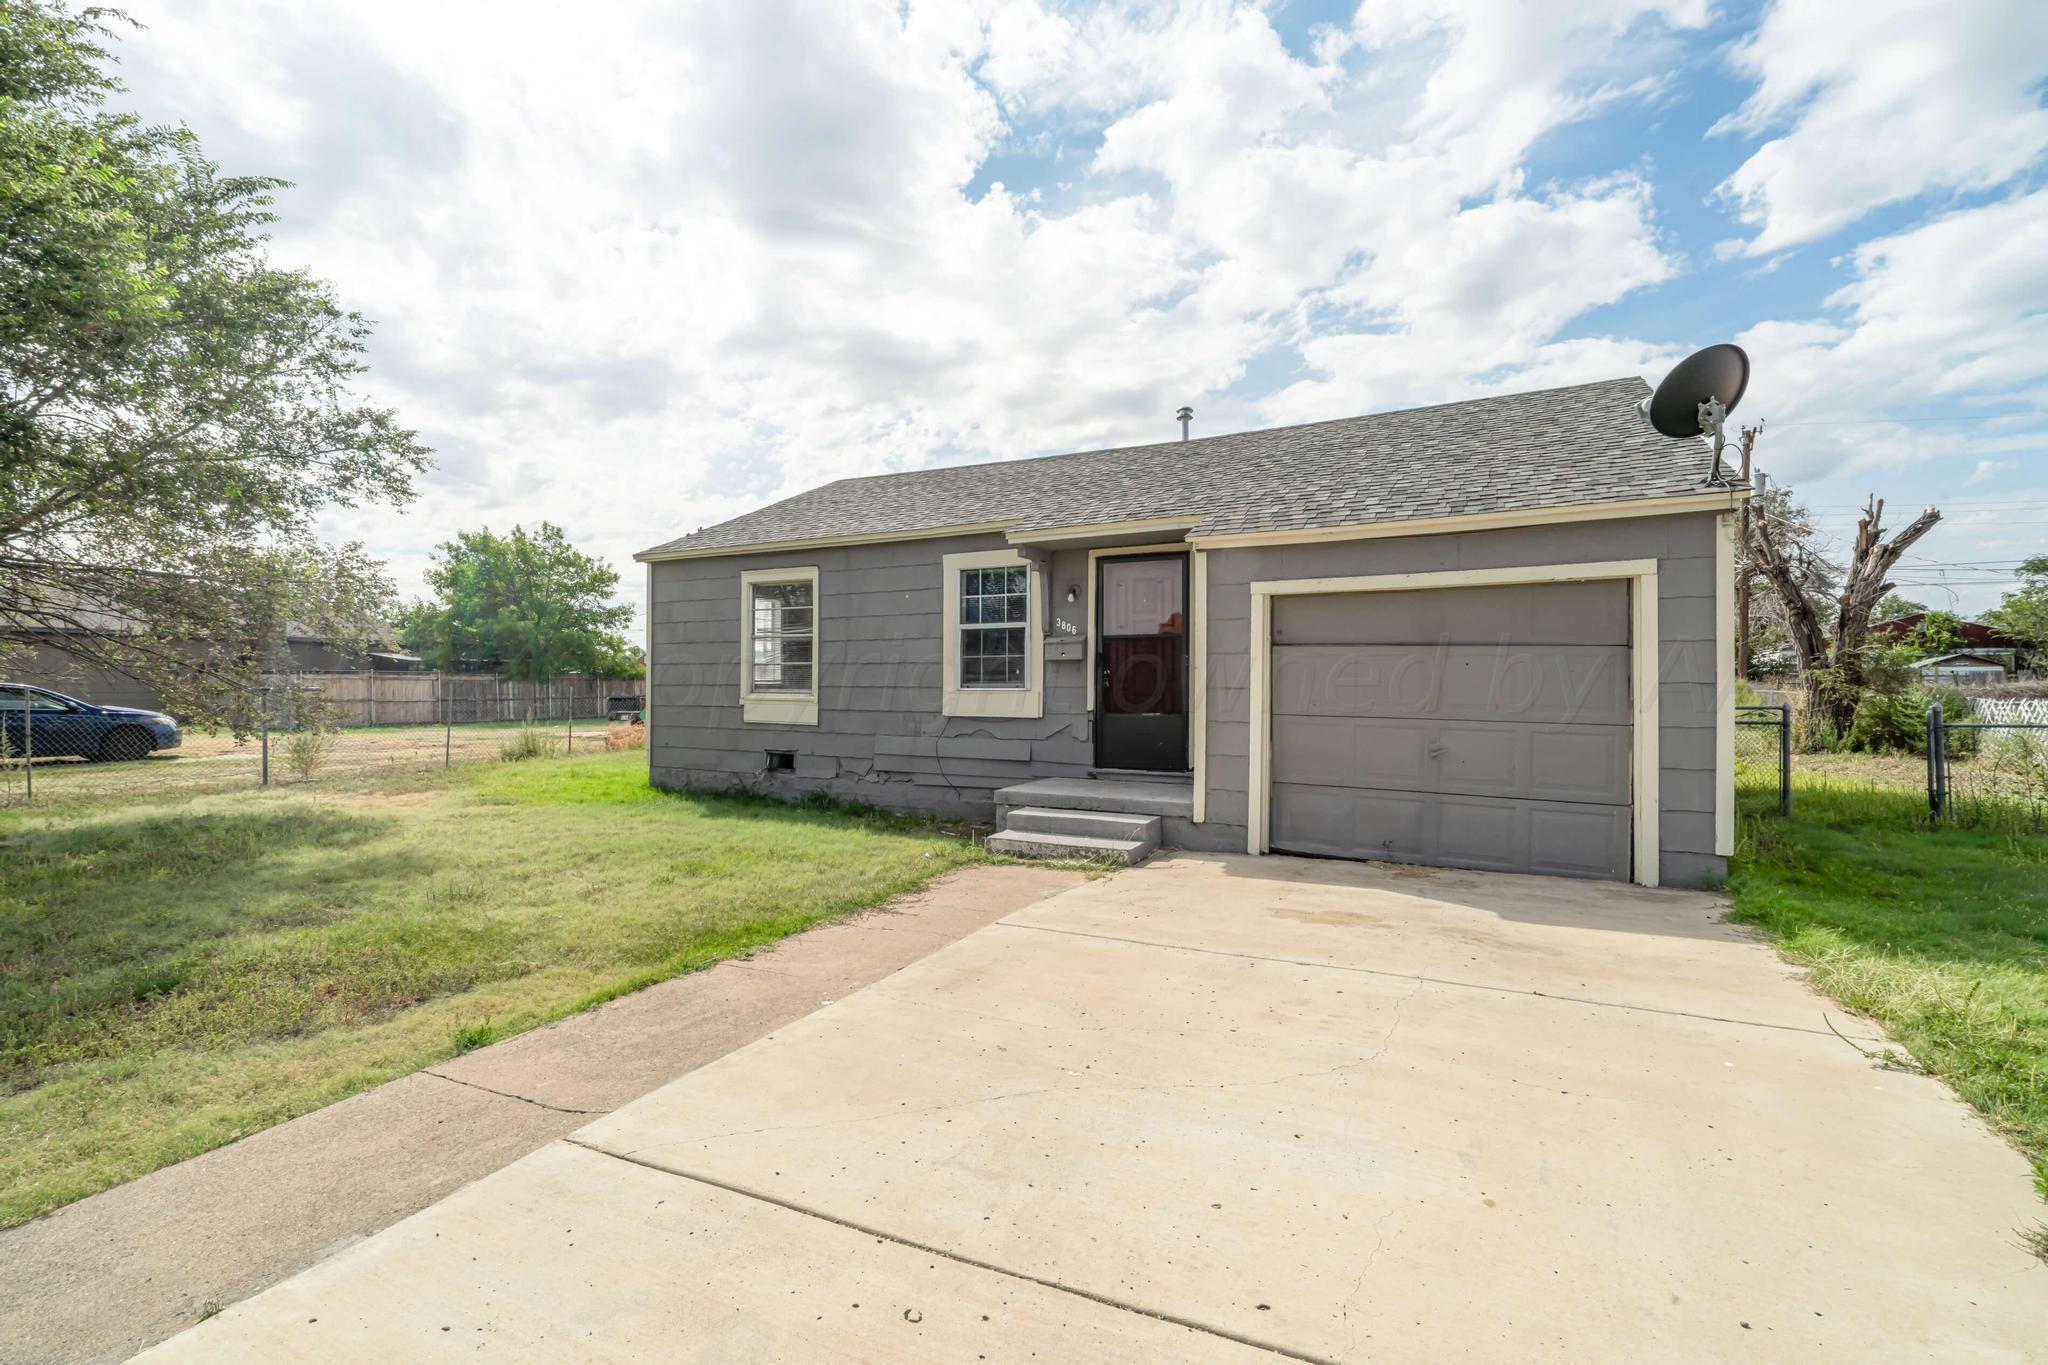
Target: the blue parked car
(65, 727)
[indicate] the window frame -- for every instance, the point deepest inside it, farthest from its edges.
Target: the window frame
(1026, 702)
(779, 707)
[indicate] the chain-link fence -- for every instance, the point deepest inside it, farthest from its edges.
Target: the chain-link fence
(1763, 759)
(55, 748)
(1988, 763)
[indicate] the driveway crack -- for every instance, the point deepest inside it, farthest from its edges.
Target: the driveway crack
(1453, 982)
(508, 1095)
(1059, 1286)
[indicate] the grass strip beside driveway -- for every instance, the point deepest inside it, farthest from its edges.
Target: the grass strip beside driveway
(1939, 934)
(175, 976)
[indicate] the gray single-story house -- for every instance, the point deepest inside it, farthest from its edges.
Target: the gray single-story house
(1494, 634)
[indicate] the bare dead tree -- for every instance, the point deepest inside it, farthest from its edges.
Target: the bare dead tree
(1831, 653)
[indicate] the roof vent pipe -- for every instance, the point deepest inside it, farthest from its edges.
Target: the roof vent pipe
(1185, 416)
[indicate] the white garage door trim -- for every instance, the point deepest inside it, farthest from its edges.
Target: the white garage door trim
(1643, 679)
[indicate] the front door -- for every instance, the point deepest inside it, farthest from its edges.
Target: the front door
(1141, 658)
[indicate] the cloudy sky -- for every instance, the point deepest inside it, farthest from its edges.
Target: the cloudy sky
(637, 268)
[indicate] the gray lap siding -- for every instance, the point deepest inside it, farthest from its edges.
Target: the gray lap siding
(1683, 546)
(880, 734)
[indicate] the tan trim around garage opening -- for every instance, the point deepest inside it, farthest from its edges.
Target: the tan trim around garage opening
(1645, 823)
(1724, 684)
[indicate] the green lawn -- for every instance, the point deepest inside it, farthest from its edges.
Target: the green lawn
(176, 975)
(1939, 934)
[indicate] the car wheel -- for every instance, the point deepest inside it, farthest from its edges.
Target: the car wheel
(126, 745)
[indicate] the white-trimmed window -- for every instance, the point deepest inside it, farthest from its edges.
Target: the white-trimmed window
(779, 646)
(994, 606)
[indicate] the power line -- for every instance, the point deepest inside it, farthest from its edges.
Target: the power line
(1889, 421)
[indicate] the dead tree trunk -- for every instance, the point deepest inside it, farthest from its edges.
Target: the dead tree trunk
(1874, 557)
(1831, 657)
(1781, 564)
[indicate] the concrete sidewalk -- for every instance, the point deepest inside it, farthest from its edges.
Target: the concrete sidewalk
(112, 1274)
(1221, 1108)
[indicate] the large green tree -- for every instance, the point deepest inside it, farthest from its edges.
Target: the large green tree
(176, 413)
(527, 603)
(2023, 614)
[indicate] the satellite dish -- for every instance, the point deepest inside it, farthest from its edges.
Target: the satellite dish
(1717, 374)
(1697, 396)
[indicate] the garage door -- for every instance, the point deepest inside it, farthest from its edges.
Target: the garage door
(1463, 727)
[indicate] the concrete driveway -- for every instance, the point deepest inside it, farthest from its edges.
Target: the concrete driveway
(1232, 1109)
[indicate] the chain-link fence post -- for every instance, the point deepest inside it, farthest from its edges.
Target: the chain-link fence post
(447, 732)
(1937, 762)
(263, 732)
(572, 732)
(28, 746)
(1785, 759)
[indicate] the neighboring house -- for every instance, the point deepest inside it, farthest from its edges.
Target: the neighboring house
(1976, 637)
(47, 663)
(1962, 668)
(1493, 634)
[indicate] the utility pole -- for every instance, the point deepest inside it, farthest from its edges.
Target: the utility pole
(1749, 435)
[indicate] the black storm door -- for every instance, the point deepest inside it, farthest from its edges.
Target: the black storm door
(1141, 658)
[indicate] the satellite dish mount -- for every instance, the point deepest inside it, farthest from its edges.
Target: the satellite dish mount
(1696, 398)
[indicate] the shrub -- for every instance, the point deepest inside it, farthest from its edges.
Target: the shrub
(1888, 722)
(531, 743)
(307, 749)
(626, 737)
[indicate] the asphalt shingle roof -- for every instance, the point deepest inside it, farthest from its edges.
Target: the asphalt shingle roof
(1550, 448)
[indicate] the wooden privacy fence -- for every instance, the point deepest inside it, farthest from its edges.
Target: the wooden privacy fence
(364, 699)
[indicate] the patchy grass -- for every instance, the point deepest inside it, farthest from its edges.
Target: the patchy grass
(174, 976)
(1939, 934)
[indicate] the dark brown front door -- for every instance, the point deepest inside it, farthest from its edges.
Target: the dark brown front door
(1141, 657)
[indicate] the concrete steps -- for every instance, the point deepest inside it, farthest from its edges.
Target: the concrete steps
(1084, 836)
(1096, 821)
(1162, 796)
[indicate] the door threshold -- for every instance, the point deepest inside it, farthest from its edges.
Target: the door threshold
(1145, 774)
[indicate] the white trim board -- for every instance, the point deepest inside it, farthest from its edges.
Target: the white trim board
(1027, 701)
(1724, 684)
(1198, 681)
(771, 547)
(1719, 501)
(1641, 574)
(1101, 528)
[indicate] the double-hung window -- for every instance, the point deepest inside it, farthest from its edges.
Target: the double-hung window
(995, 635)
(995, 615)
(779, 646)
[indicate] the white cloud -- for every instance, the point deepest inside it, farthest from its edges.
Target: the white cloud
(642, 275)
(639, 276)
(1881, 101)
(1953, 311)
